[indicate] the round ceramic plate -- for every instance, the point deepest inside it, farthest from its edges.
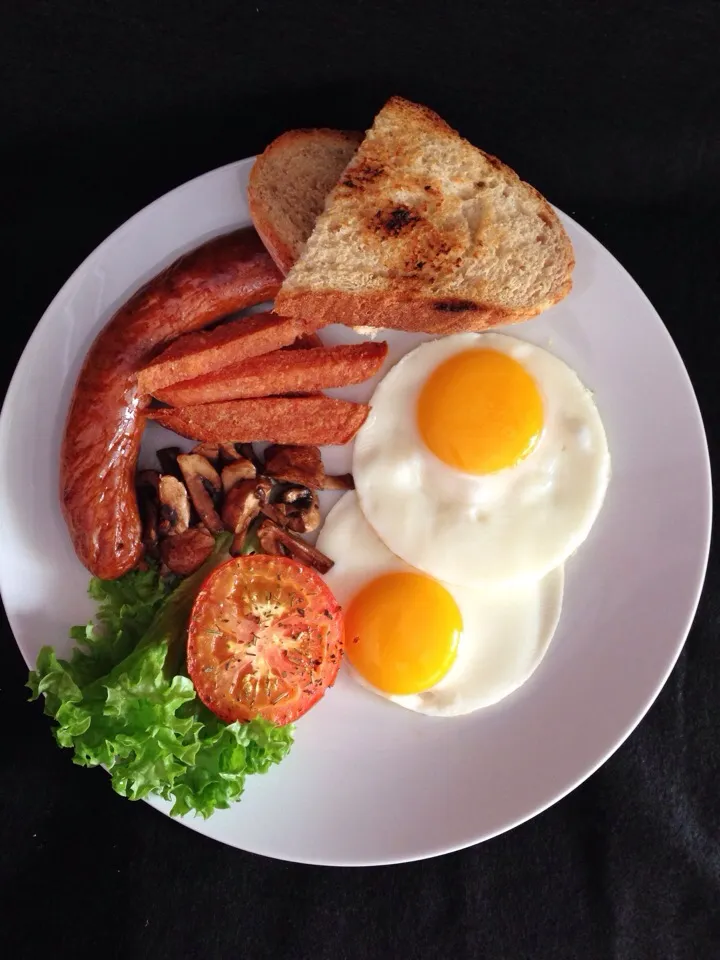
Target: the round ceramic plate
(368, 782)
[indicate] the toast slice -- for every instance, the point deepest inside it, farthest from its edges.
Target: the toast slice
(207, 350)
(296, 420)
(289, 184)
(280, 372)
(426, 233)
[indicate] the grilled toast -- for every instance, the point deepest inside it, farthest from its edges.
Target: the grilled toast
(425, 232)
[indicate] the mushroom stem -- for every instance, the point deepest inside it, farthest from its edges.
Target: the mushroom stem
(273, 539)
(242, 504)
(203, 484)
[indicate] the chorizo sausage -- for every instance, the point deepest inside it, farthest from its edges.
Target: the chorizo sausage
(104, 425)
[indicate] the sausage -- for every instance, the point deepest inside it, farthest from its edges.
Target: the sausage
(106, 417)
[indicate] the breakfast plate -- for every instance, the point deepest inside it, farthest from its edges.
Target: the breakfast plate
(368, 783)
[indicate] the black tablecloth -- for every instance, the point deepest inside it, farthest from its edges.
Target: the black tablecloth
(613, 110)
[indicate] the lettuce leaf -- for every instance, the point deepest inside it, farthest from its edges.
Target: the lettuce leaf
(126, 608)
(123, 701)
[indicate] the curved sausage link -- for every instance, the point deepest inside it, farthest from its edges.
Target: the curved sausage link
(106, 417)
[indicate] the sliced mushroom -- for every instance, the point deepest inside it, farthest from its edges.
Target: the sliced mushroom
(270, 510)
(174, 506)
(167, 458)
(299, 509)
(233, 473)
(303, 465)
(203, 484)
(229, 452)
(186, 552)
(211, 452)
(147, 494)
(242, 504)
(273, 539)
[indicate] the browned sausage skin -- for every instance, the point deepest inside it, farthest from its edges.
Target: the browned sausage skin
(105, 421)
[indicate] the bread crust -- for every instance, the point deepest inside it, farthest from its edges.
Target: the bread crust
(441, 317)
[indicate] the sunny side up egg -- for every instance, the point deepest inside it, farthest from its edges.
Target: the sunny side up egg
(483, 459)
(432, 647)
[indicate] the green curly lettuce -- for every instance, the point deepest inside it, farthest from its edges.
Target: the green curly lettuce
(123, 701)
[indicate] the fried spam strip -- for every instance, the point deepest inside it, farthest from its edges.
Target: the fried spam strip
(316, 420)
(206, 350)
(281, 372)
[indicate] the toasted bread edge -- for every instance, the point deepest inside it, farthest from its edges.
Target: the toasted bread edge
(437, 316)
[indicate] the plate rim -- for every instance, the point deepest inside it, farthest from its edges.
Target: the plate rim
(702, 558)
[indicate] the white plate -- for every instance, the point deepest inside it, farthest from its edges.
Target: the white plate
(367, 782)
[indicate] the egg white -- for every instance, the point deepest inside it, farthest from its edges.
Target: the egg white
(511, 526)
(506, 630)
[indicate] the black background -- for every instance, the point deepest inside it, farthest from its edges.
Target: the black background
(613, 111)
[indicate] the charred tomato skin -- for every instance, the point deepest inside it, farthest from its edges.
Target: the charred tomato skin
(265, 639)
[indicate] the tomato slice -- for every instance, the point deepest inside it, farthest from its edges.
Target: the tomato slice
(265, 639)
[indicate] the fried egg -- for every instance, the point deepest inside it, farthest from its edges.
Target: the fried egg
(430, 646)
(483, 459)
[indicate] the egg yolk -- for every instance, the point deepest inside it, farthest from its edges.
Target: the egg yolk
(402, 632)
(480, 411)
